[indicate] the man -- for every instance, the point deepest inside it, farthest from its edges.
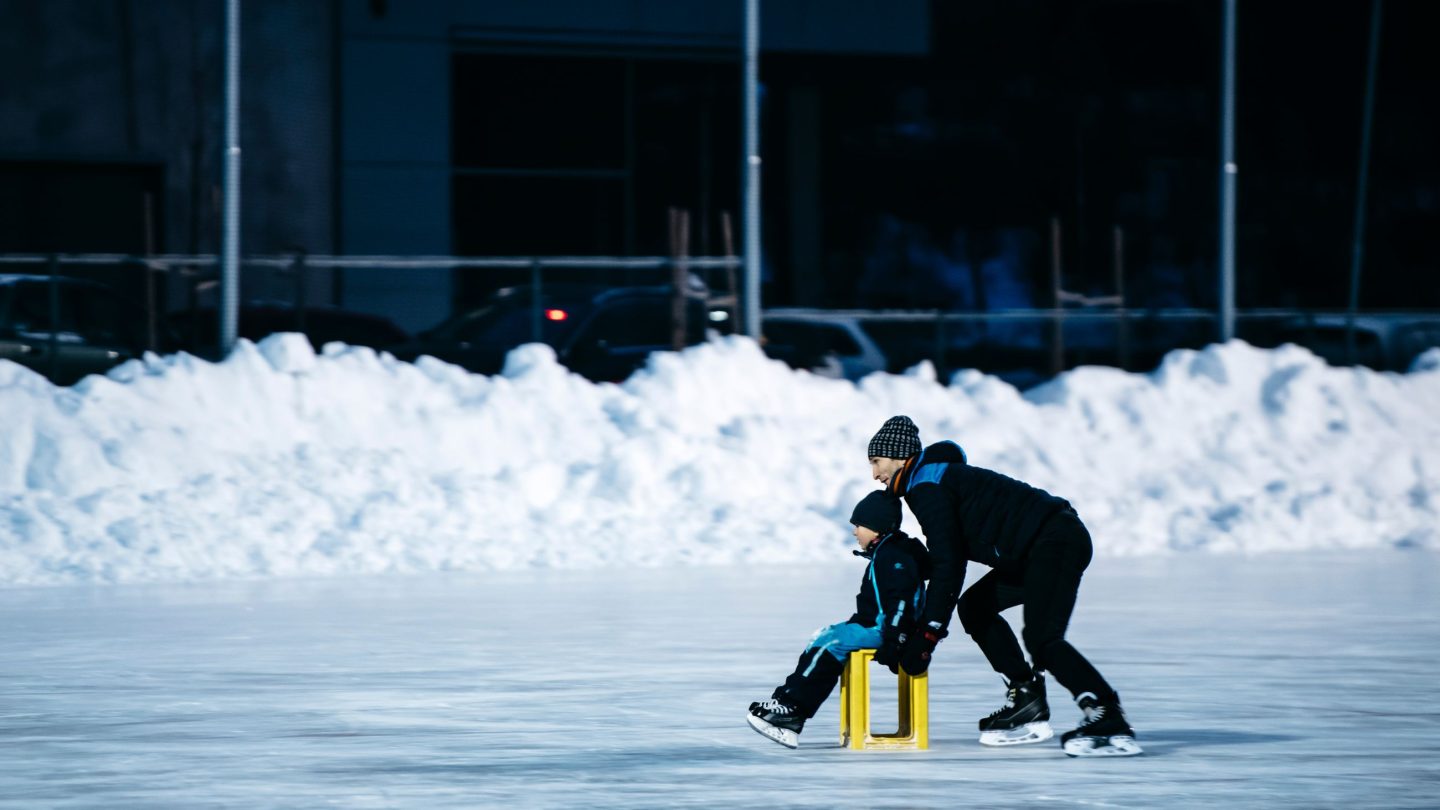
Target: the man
(1038, 550)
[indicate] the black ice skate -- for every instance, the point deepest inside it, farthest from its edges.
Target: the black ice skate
(1104, 732)
(776, 720)
(1023, 718)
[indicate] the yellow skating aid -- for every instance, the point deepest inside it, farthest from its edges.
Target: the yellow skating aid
(914, 701)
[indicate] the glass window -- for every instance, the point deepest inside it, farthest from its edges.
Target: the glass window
(534, 112)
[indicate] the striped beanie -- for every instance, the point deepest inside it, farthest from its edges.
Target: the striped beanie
(897, 438)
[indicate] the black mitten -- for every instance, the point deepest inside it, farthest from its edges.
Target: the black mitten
(888, 653)
(916, 656)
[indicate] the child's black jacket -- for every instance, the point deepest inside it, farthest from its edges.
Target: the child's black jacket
(894, 583)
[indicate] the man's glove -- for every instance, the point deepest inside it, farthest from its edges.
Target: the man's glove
(916, 657)
(888, 653)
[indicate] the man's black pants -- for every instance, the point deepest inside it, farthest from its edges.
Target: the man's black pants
(1045, 582)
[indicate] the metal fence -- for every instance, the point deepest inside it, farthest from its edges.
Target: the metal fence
(1040, 341)
(199, 274)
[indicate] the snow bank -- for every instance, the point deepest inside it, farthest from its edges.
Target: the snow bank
(279, 462)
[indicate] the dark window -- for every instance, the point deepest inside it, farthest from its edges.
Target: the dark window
(80, 207)
(525, 112)
(539, 216)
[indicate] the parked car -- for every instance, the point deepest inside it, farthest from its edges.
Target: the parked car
(1386, 342)
(199, 330)
(603, 333)
(86, 329)
(828, 344)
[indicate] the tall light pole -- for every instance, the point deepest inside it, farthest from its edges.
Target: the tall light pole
(1228, 171)
(230, 241)
(1362, 183)
(752, 169)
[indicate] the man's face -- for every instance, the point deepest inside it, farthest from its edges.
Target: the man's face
(865, 536)
(883, 469)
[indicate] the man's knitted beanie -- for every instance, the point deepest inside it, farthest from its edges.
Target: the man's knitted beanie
(877, 511)
(897, 438)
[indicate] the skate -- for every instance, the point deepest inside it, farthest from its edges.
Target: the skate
(776, 721)
(1104, 733)
(1023, 718)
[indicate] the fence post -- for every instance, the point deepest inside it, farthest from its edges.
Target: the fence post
(1057, 329)
(679, 247)
(297, 266)
(940, 367)
(537, 322)
(54, 359)
(1122, 322)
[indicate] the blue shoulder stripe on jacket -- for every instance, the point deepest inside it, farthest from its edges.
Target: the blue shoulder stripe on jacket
(928, 474)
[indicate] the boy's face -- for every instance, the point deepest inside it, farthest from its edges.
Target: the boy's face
(865, 536)
(883, 469)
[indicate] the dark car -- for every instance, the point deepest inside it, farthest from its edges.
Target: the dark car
(86, 328)
(200, 331)
(602, 333)
(1383, 341)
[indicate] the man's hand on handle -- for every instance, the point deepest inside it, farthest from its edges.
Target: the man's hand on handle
(915, 658)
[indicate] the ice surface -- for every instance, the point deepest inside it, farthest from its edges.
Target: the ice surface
(277, 462)
(1271, 681)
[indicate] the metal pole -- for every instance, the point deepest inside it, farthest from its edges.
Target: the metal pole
(230, 247)
(752, 170)
(1228, 171)
(54, 341)
(1057, 323)
(1357, 240)
(1122, 326)
(537, 305)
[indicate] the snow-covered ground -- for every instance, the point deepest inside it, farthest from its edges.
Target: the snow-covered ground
(1280, 680)
(278, 462)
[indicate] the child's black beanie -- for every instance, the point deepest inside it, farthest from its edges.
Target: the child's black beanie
(877, 511)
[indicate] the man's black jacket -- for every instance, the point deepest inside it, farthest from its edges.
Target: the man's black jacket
(894, 583)
(968, 513)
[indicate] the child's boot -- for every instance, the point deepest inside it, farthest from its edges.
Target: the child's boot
(779, 721)
(1023, 718)
(1104, 733)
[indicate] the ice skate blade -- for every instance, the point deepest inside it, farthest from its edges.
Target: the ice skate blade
(1117, 746)
(1038, 731)
(784, 736)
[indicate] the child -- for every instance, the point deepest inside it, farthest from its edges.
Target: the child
(891, 595)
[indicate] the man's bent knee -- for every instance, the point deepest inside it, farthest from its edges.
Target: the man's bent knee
(973, 617)
(1043, 648)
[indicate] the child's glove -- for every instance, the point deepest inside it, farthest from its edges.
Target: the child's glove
(888, 653)
(916, 657)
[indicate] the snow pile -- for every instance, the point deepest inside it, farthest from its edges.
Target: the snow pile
(279, 462)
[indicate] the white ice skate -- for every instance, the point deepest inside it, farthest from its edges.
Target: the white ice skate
(1117, 746)
(1038, 731)
(784, 736)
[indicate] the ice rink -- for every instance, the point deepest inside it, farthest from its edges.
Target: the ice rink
(1253, 681)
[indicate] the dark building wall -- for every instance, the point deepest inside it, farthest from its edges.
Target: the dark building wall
(93, 91)
(415, 74)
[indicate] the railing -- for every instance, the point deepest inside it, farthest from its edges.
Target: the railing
(195, 268)
(954, 337)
